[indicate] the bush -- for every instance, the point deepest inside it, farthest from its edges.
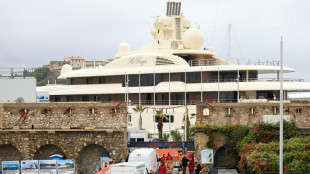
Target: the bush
(264, 157)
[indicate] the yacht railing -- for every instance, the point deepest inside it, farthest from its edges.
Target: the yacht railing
(254, 80)
(232, 61)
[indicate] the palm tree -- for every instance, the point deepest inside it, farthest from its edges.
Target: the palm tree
(139, 109)
(188, 123)
(160, 114)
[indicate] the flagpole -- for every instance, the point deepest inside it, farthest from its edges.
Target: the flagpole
(169, 110)
(201, 94)
(281, 108)
(185, 127)
(154, 107)
(218, 84)
(140, 121)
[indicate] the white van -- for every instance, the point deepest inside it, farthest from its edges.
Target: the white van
(128, 168)
(146, 155)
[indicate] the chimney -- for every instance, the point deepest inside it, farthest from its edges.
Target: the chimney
(168, 6)
(173, 8)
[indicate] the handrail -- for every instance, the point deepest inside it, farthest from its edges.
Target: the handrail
(234, 61)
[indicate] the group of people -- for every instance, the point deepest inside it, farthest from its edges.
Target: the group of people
(192, 166)
(184, 164)
(162, 167)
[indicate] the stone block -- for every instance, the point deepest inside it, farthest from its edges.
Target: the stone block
(65, 127)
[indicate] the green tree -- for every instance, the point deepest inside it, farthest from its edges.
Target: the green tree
(139, 109)
(176, 135)
(160, 114)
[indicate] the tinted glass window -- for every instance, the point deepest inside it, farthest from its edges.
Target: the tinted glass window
(101, 80)
(89, 80)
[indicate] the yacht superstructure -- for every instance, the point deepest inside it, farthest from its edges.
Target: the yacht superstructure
(172, 69)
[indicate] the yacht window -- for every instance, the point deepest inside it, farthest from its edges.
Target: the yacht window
(89, 80)
(57, 99)
(69, 98)
(70, 81)
(158, 78)
(134, 80)
(150, 80)
(191, 77)
(85, 98)
(101, 80)
(97, 98)
(143, 80)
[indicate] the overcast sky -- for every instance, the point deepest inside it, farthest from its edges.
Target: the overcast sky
(34, 32)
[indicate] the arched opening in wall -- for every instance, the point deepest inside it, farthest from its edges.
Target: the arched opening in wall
(45, 151)
(9, 153)
(224, 157)
(89, 158)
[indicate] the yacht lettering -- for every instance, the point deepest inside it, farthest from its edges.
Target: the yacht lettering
(136, 60)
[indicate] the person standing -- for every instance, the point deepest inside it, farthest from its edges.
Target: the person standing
(162, 168)
(184, 164)
(163, 159)
(191, 167)
(169, 157)
(198, 167)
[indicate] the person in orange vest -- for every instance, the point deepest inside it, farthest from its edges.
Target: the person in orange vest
(162, 168)
(163, 159)
(169, 157)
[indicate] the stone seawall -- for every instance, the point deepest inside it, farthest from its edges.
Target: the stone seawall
(79, 131)
(58, 115)
(244, 114)
(251, 113)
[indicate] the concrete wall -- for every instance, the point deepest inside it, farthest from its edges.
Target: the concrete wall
(11, 89)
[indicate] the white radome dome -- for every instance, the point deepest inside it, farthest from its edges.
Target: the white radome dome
(186, 22)
(65, 69)
(193, 39)
(123, 47)
(165, 20)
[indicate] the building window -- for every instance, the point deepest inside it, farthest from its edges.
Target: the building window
(298, 110)
(140, 139)
(89, 80)
(275, 110)
(166, 120)
(129, 118)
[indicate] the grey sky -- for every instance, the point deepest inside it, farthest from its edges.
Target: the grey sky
(34, 32)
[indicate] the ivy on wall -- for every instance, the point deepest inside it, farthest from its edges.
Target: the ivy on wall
(258, 147)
